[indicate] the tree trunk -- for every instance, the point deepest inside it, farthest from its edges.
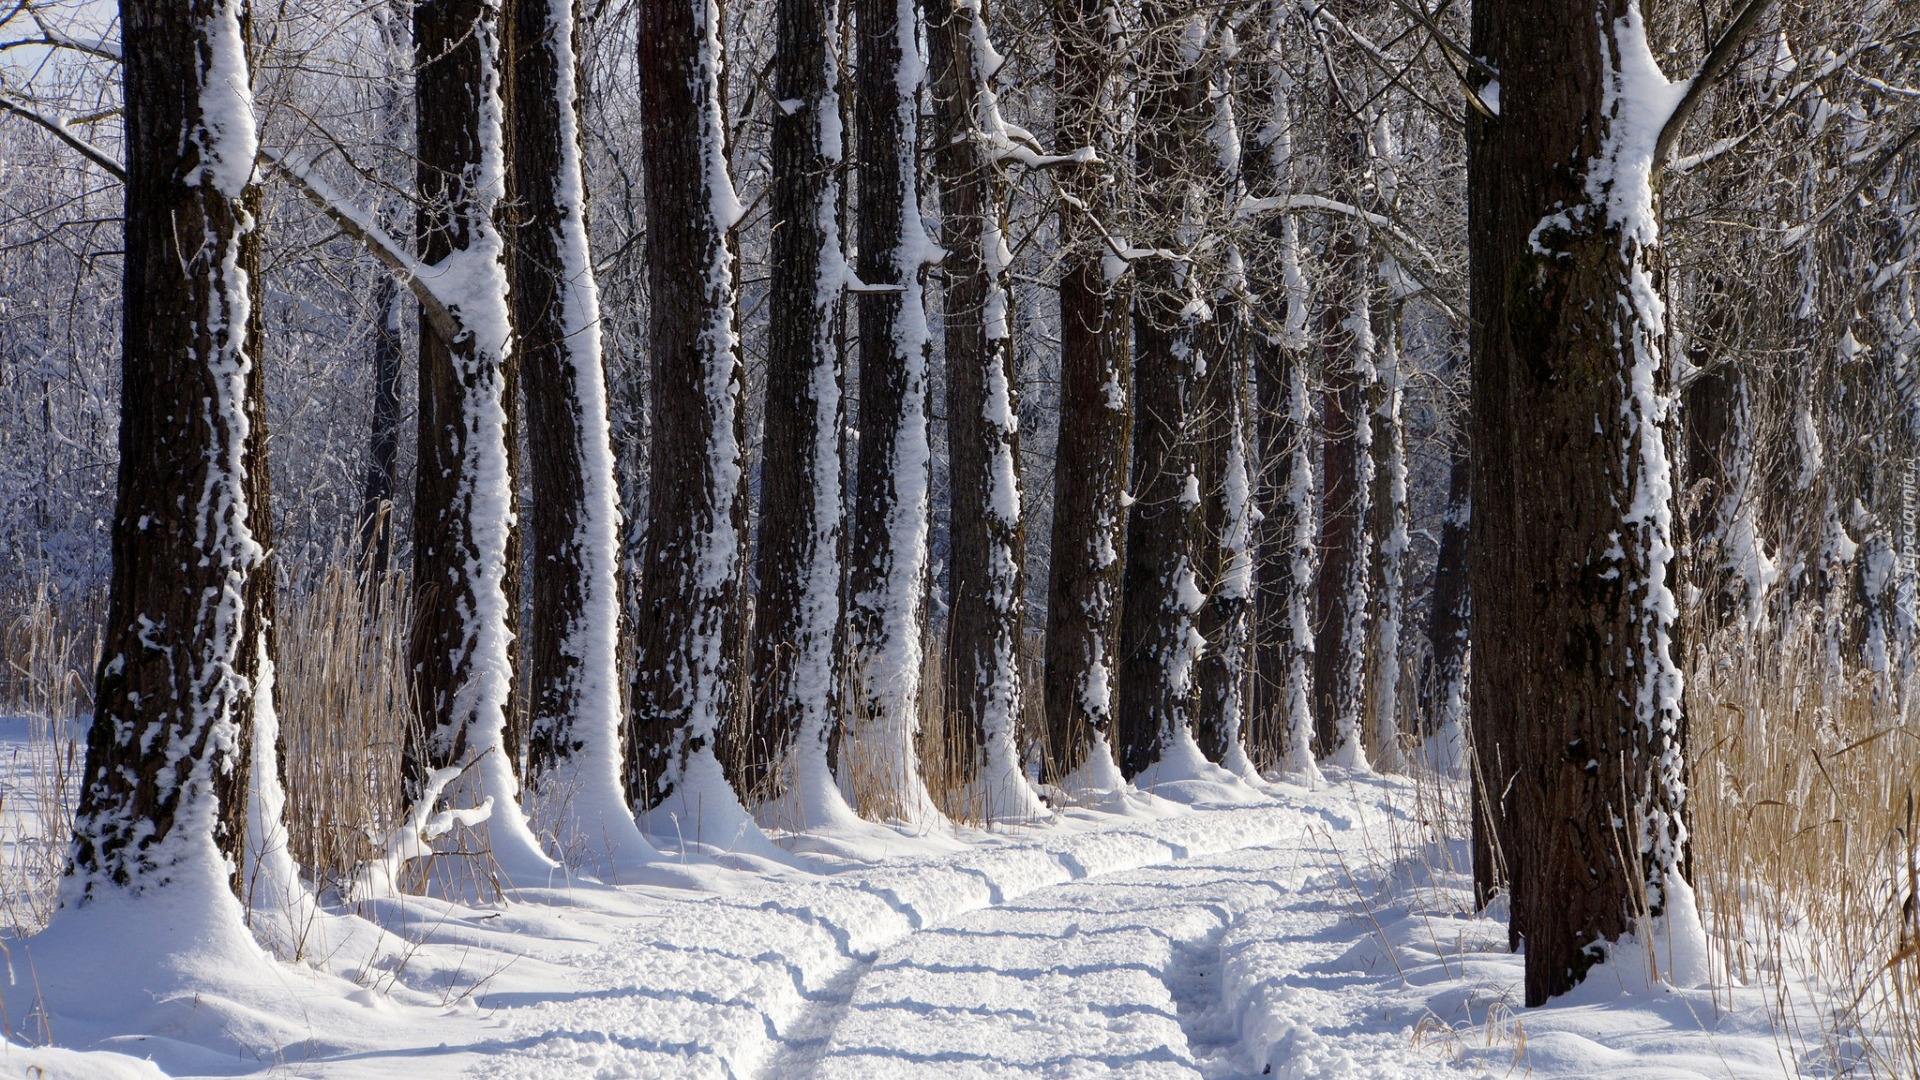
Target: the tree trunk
(464, 584)
(163, 804)
(1571, 541)
(987, 582)
(1158, 642)
(376, 503)
(575, 760)
(798, 676)
(1388, 533)
(1224, 545)
(1284, 596)
(1347, 344)
(1093, 454)
(886, 611)
(687, 626)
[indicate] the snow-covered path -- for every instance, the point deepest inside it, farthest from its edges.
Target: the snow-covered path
(1306, 934)
(1150, 973)
(1114, 977)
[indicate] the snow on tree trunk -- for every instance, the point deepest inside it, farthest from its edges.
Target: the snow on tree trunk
(1573, 555)
(1446, 707)
(1389, 530)
(687, 625)
(888, 559)
(1094, 450)
(464, 607)
(797, 673)
(1225, 542)
(987, 581)
(574, 757)
(1284, 599)
(183, 673)
(1159, 644)
(1340, 646)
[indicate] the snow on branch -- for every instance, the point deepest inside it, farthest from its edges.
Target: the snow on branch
(1253, 207)
(1716, 62)
(65, 134)
(359, 225)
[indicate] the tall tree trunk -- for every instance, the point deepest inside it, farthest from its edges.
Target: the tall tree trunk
(886, 611)
(1340, 643)
(376, 501)
(1284, 597)
(1445, 707)
(687, 627)
(385, 352)
(987, 582)
(575, 761)
(1094, 451)
(164, 801)
(1158, 642)
(797, 674)
(465, 600)
(1571, 546)
(1388, 531)
(1225, 543)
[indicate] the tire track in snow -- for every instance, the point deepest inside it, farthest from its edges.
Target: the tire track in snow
(1119, 975)
(805, 1038)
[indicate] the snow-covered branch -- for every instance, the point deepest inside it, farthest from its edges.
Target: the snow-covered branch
(62, 132)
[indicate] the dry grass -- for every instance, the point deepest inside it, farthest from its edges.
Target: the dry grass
(50, 642)
(343, 709)
(1804, 787)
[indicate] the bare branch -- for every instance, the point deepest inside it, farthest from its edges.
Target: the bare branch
(1716, 62)
(60, 131)
(368, 233)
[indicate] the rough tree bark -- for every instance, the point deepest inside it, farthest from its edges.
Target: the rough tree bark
(575, 717)
(797, 674)
(1224, 546)
(1284, 595)
(1158, 642)
(1094, 451)
(1388, 529)
(687, 622)
(465, 594)
(987, 581)
(888, 551)
(162, 802)
(1571, 542)
(1347, 344)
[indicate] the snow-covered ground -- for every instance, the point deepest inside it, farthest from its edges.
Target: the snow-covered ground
(1304, 935)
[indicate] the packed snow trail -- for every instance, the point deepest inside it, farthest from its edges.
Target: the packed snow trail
(1313, 934)
(1123, 976)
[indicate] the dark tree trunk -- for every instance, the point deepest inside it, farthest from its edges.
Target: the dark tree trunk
(1573, 606)
(1092, 456)
(1157, 647)
(167, 764)
(376, 504)
(1452, 601)
(1387, 532)
(1340, 640)
(573, 694)
(1223, 546)
(797, 677)
(987, 580)
(687, 628)
(1281, 727)
(888, 541)
(458, 67)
